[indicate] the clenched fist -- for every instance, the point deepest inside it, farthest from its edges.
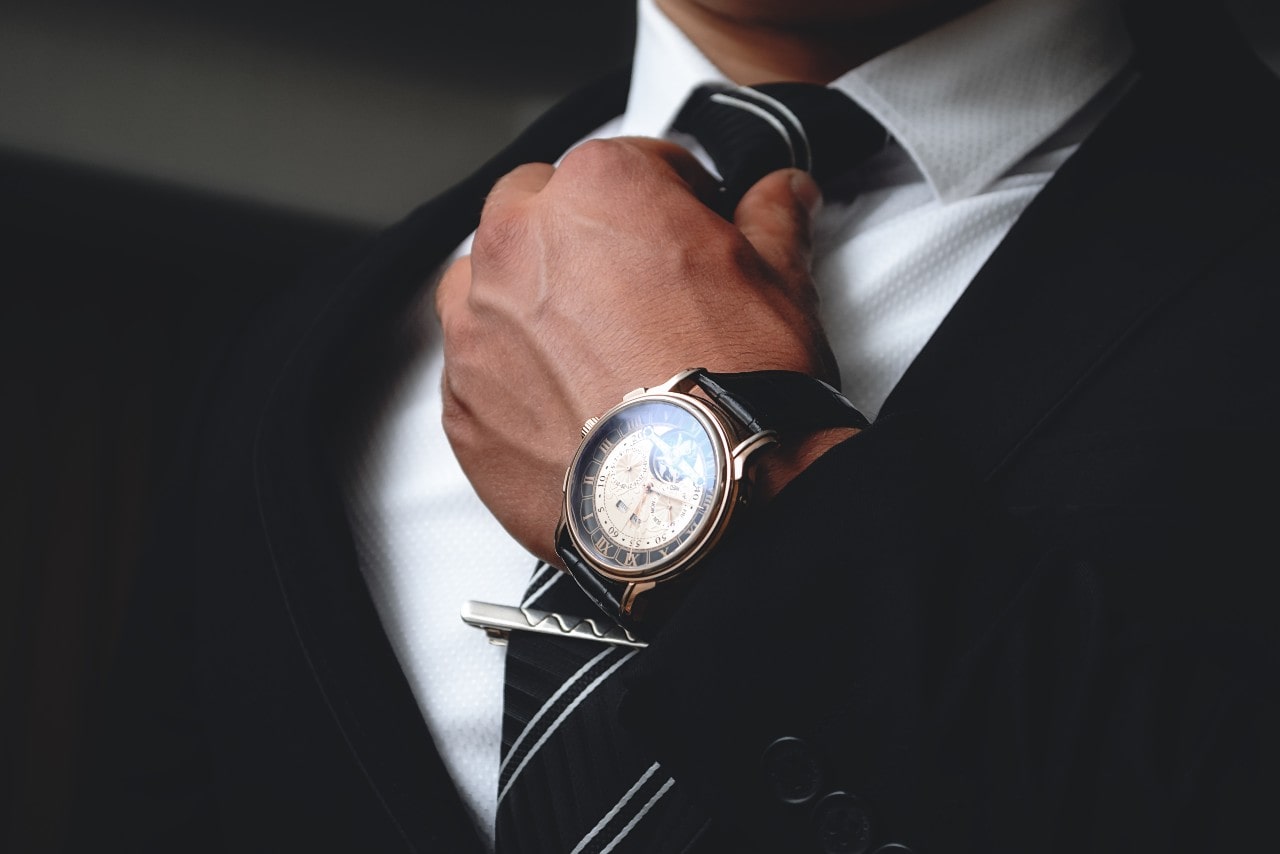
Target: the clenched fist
(604, 274)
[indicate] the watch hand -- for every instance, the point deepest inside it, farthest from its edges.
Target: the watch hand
(662, 446)
(635, 511)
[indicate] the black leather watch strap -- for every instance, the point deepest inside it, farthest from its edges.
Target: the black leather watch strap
(649, 611)
(784, 401)
(603, 591)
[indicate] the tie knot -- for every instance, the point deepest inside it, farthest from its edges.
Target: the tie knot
(750, 131)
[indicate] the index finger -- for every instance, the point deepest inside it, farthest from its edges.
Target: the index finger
(517, 185)
(452, 289)
(681, 161)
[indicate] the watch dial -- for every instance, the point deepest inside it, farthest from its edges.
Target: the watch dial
(643, 486)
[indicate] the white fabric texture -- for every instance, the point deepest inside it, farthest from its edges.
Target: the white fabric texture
(983, 110)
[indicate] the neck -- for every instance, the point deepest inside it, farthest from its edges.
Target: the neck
(815, 48)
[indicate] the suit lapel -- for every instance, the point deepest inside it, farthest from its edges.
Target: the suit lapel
(1119, 231)
(299, 495)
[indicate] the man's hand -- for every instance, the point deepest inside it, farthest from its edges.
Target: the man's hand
(605, 274)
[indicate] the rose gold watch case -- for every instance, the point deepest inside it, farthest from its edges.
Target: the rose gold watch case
(732, 455)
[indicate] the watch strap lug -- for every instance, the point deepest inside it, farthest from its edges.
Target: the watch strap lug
(681, 382)
(741, 455)
(627, 607)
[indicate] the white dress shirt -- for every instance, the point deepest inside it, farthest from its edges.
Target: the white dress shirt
(982, 112)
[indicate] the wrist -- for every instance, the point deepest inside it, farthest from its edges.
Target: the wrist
(784, 462)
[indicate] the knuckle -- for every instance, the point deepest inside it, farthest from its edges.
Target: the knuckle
(457, 331)
(501, 235)
(455, 415)
(440, 304)
(451, 322)
(443, 297)
(736, 255)
(595, 157)
(451, 409)
(451, 318)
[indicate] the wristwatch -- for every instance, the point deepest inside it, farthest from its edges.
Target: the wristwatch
(659, 478)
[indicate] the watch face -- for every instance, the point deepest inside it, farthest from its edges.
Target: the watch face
(646, 487)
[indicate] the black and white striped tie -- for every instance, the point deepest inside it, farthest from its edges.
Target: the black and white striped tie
(750, 131)
(571, 780)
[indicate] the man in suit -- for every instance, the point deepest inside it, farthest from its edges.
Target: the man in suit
(1020, 611)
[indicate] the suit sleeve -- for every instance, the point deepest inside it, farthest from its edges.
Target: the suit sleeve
(946, 677)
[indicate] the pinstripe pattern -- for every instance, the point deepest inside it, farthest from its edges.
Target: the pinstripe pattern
(586, 672)
(641, 813)
(762, 114)
(573, 699)
(618, 823)
(542, 588)
(570, 778)
(541, 574)
(617, 808)
(786, 113)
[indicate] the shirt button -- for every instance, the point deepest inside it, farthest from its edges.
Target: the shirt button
(794, 773)
(842, 824)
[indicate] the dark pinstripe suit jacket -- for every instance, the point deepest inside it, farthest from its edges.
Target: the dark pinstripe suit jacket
(1025, 611)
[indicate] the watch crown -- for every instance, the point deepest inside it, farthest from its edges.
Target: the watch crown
(586, 427)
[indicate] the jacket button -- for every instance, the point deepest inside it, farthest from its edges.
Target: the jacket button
(842, 824)
(794, 773)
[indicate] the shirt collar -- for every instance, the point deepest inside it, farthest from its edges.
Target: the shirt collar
(966, 100)
(667, 67)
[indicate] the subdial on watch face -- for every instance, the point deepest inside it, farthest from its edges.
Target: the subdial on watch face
(630, 468)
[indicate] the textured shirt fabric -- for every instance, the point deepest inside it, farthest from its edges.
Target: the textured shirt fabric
(981, 112)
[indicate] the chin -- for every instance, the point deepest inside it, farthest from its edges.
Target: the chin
(796, 13)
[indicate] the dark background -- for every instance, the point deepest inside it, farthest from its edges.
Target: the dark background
(165, 165)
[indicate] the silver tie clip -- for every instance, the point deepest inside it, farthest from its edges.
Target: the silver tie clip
(499, 621)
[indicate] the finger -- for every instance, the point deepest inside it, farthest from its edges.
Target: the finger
(776, 215)
(679, 160)
(451, 292)
(517, 185)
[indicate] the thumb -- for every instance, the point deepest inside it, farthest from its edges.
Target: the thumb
(776, 216)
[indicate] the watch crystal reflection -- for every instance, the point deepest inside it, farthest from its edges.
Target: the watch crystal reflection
(644, 484)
